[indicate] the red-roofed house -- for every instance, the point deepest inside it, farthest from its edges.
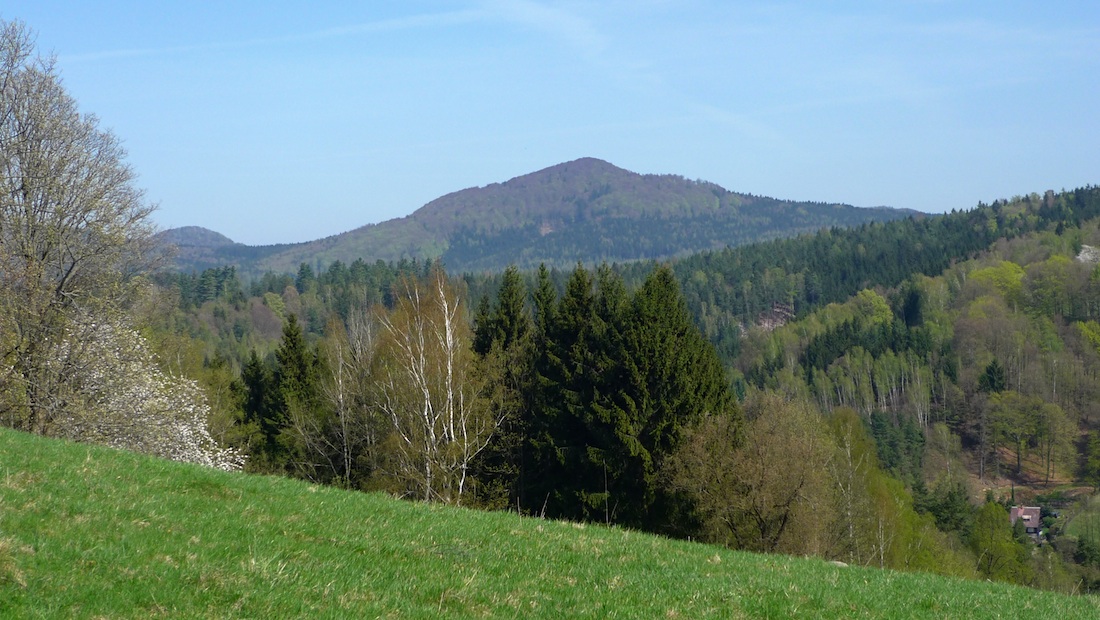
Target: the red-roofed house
(1031, 517)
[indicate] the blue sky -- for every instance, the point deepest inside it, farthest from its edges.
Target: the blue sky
(277, 122)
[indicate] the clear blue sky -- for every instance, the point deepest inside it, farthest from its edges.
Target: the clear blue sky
(289, 121)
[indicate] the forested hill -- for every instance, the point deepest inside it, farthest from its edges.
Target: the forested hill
(912, 377)
(585, 210)
(195, 248)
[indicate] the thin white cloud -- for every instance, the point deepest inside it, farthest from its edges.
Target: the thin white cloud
(570, 27)
(413, 22)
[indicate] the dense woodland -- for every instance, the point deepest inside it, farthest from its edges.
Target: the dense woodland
(876, 395)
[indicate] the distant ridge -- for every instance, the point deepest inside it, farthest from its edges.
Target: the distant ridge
(195, 236)
(586, 210)
(197, 248)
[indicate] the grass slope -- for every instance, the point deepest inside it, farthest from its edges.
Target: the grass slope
(91, 532)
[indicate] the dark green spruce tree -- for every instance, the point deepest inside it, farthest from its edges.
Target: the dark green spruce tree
(539, 462)
(672, 379)
(603, 469)
(562, 392)
(296, 397)
(620, 379)
(503, 341)
(994, 379)
(256, 389)
(281, 405)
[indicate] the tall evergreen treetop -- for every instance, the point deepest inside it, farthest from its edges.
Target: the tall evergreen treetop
(295, 367)
(509, 322)
(513, 321)
(993, 380)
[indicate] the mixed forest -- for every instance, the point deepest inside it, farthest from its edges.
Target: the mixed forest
(877, 395)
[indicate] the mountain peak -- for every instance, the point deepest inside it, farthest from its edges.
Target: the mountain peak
(586, 164)
(195, 236)
(577, 169)
(584, 210)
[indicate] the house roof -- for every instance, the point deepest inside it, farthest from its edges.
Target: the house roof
(1030, 515)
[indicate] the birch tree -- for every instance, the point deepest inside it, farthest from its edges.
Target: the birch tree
(345, 428)
(851, 469)
(430, 391)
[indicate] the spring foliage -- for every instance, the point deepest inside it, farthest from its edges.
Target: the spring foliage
(124, 400)
(75, 237)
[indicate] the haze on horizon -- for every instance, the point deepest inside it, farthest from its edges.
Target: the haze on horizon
(276, 122)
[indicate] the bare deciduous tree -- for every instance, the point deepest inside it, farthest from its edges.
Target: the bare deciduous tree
(743, 497)
(429, 388)
(339, 437)
(74, 231)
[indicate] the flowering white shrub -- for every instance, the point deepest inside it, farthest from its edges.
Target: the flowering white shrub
(122, 399)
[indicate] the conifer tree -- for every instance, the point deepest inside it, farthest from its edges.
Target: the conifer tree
(538, 455)
(257, 391)
(609, 476)
(993, 380)
(620, 378)
(564, 393)
(503, 340)
(297, 393)
(513, 321)
(483, 326)
(295, 368)
(272, 396)
(676, 378)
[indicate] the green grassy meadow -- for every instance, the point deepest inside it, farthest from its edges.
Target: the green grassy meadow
(89, 532)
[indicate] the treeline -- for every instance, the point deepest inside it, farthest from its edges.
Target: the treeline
(626, 239)
(731, 290)
(337, 287)
(728, 291)
(566, 406)
(590, 402)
